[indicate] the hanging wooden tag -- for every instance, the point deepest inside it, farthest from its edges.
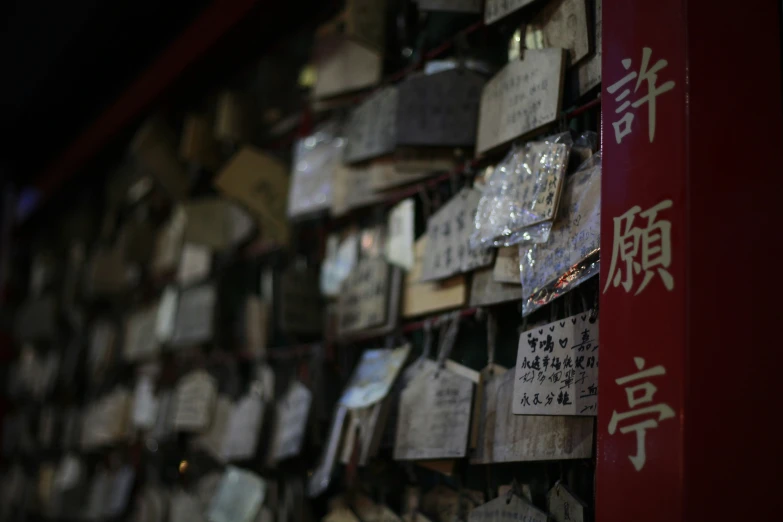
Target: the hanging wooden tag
(365, 427)
(194, 265)
(365, 21)
(322, 475)
(427, 297)
(507, 266)
(197, 145)
(163, 420)
(448, 238)
(244, 426)
(293, 410)
(352, 189)
(507, 508)
(363, 302)
(194, 401)
(145, 404)
(312, 171)
(434, 415)
(563, 505)
(522, 98)
(344, 66)
(259, 182)
(440, 108)
(301, 309)
(478, 421)
(463, 6)
(141, 342)
(206, 487)
(497, 9)
(238, 498)
(485, 291)
(518, 438)
(399, 241)
(557, 368)
(373, 377)
(195, 316)
(371, 128)
(588, 72)
(212, 440)
(105, 420)
(561, 23)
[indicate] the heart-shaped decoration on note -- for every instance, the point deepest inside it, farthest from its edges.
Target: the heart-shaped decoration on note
(563, 342)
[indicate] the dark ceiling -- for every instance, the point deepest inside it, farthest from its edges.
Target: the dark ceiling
(63, 62)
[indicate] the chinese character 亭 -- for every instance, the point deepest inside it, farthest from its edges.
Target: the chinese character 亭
(637, 395)
(622, 127)
(645, 249)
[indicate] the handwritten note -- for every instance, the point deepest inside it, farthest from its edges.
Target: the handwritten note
(399, 242)
(439, 109)
(523, 97)
(373, 377)
(372, 127)
(363, 301)
(497, 9)
(140, 340)
(575, 235)
(434, 415)
(448, 238)
(194, 401)
(561, 23)
(564, 506)
(244, 425)
(507, 508)
(557, 368)
(195, 315)
(293, 410)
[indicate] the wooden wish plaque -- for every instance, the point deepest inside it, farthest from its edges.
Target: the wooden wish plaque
(516, 438)
(293, 410)
(434, 415)
(439, 109)
(561, 23)
(194, 401)
(372, 127)
(564, 506)
(497, 9)
(352, 189)
(343, 65)
(195, 315)
(485, 291)
(448, 239)
(507, 265)
(140, 340)
(507, 508)
(369, 300)
(421, 297)
(522, 98)
(244, 425)
(557, 368)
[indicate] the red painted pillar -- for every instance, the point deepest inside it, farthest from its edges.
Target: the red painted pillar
(692, 129)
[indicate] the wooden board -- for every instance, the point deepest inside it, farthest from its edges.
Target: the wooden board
(352, 189)
(374, 376)
(312, 172)
(421, 298)
(439, 109)
(434, 415)
(410, 164)
(497, 9)
(561, 23)
(238, 497)
(194, 264)
(256, 322)
(244, 426)
(365, 21)
(557, 368)
(322, 476)
(211, 440)
(507, 266)
(140, 340)
(215, 223)
(371, 129)
(522, 98)
(485, 291)
(363, 301)
(398, 249)
(343, 66)
(195, 315)
(260, 183)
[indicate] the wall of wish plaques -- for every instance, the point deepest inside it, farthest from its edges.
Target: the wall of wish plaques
(339, 322)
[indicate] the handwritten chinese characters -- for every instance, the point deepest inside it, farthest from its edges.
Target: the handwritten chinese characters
(644, 249)
(647, 75)
(497, 9)
(448, 236)
(523, 97)
(371, 128)
(640, 394)
(363, 302)
(557, 368)
(434, 415)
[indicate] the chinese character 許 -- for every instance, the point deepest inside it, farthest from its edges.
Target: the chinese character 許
(637, 395)
(641, 249)
(622, 127)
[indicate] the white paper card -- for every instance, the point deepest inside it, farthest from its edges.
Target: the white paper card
(557, 368)
(399, 242)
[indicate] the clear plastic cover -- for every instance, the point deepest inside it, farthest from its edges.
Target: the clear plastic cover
(521, 197)
(315, 159)
(570, 257)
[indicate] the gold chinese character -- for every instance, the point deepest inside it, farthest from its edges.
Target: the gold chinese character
(622, 127)
(641, 249)
(638, 395)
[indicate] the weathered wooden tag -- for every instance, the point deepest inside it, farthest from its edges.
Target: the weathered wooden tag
(557, 368)
(211, 440)
(507, 265)
(362, 304)
(232, 117)
(343, 65)
(426, 297)
(244, 425)
(168, 243)
(194, 401)
(141, 343)
(145, 404)
(497, 9)
(194, 265)
(215, 223)
(434, 415)
(485, 291)
(399, 241)
(507, 508)
(312, 173)
(561, 23)
(195, 315)
(371, 127)
(448, 238)
(523, 97)
(293, 410)
(238, 498)
(439, 109)
(256, 322)
(564, 506)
